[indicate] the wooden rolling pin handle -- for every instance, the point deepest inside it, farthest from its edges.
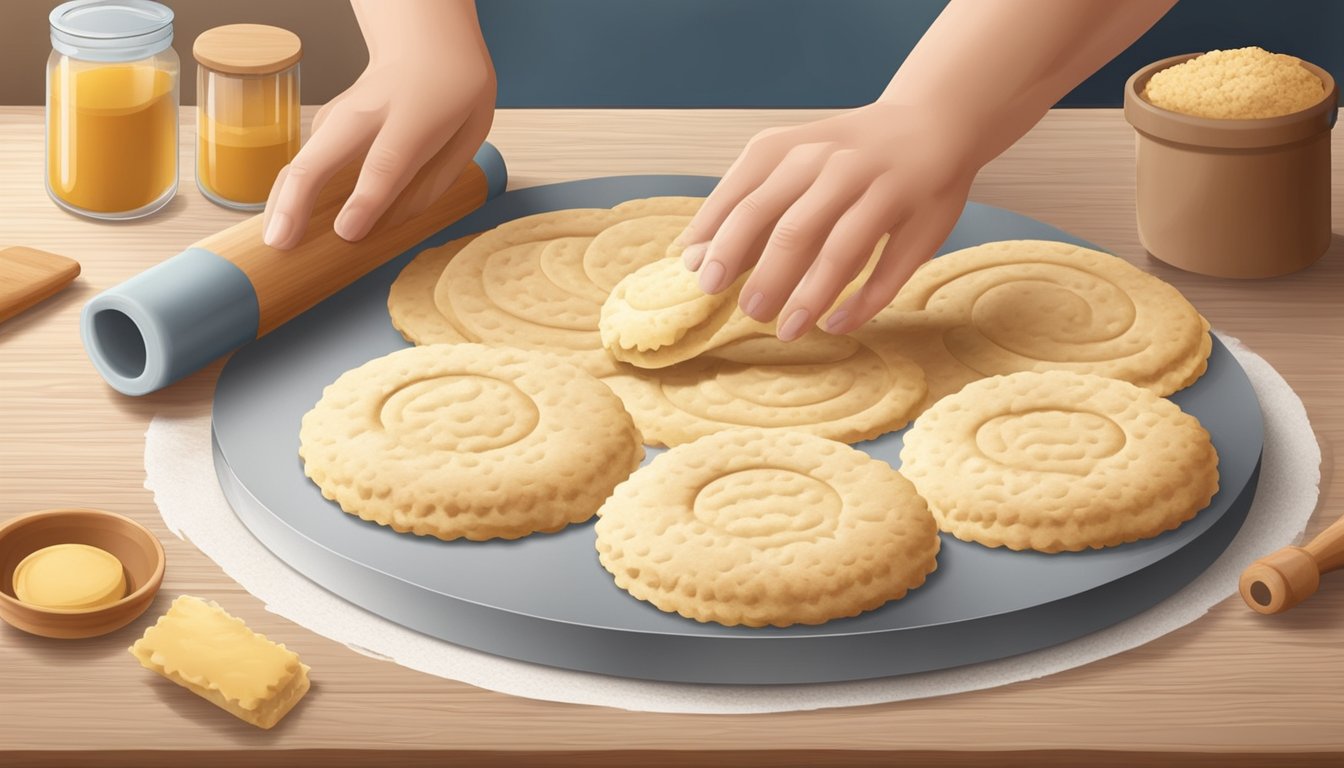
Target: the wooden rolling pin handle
(1282, 579)
(290, 282)
(231, 288)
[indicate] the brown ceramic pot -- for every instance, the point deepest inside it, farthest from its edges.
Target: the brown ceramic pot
(1233, 198)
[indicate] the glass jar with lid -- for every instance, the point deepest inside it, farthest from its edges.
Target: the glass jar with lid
(112, 100)
(247, 111)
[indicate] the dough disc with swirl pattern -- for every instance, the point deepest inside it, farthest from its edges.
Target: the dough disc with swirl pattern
(468, 441)
(1059, 461)
(1040, 305)
(766, 528)
(843, 388)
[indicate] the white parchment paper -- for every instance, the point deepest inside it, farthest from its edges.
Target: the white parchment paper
(180, 471)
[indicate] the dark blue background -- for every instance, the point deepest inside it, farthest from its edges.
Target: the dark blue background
(816, 53)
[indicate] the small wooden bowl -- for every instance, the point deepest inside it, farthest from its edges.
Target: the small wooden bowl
(138, 550)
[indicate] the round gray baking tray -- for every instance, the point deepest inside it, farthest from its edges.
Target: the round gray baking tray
(545, 598)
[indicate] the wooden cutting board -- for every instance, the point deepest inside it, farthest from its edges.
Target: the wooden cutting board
(28, 276)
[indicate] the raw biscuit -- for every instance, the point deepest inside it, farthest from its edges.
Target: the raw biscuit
(848, 389)
(410, 303)
(468, 441)
(657, 316)
(766, 528)
(1059, 461)
(526, 283)
(1038, 305)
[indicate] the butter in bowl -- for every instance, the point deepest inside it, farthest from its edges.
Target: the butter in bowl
(76, 573)
(1233, 159)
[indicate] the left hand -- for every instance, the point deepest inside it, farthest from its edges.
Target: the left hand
(807, 205)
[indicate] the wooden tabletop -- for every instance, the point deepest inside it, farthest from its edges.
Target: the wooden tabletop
(1234, 687)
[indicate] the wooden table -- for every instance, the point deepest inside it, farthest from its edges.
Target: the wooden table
(1232, 688)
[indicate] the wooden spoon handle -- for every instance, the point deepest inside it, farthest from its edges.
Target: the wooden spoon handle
(28, 276)
(1280, 580)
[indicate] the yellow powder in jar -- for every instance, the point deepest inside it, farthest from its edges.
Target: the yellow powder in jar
(112, 135)
(1244, 83)
(247, 130)
(240, 164)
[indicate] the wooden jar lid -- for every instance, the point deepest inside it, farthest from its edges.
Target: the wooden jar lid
(247, 49)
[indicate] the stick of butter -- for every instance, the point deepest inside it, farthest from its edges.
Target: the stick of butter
(199, 646)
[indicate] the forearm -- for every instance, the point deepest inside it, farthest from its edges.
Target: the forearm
(993, 68)
(396, 28)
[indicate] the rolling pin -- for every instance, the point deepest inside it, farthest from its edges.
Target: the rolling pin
(231, 288)
(1282, 579)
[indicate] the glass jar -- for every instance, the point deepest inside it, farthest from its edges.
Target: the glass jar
(247, 111)
(112, 95)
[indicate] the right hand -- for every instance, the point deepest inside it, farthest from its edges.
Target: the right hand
(419, 116)
(803, 208)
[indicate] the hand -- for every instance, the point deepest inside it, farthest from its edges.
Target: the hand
(807, 206)
(420, 115)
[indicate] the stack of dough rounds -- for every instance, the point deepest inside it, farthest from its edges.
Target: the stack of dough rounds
(699, 364)
(540, 283)
(468, 441)
(537, 282)
(410, 303)
(766, 528)
(1038, 305)
(1059, 461)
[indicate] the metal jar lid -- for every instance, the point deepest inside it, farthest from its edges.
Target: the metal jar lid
(111, 30)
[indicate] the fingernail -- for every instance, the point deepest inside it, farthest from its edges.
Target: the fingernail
(350, 224)
(837, 319)
(754, 303)
(793, 327)
(693, 255)
(277, 231)
(712, 277)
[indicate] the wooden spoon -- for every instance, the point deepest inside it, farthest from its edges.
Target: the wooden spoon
(1280, 580)
(28, 276)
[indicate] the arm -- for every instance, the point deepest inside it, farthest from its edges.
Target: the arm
(1000, 67)
(821, 195)
(421, 108)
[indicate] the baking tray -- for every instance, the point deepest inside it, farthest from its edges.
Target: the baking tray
(546, 599)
